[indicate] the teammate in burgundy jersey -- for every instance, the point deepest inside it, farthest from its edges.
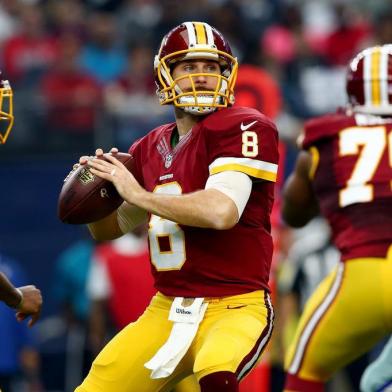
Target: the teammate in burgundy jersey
(205, 183)
(345, 172)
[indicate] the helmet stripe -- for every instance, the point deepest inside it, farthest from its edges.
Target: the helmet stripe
(200, 33)
(210, 36)
(191, 33)
(375, 76)
(384, 76)
(367, 78)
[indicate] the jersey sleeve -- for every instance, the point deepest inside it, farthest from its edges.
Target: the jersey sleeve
(135, 151)
(250, 147)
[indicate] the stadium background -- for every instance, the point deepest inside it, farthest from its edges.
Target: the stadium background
(81, 72)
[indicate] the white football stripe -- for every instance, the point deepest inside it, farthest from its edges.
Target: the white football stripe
(384, 76)
(210, 37)
(191, 33)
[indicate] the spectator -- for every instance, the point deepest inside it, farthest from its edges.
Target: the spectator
(71, 100)
(133, 95)
(66, 355)
(120, 284)
(30, 52)
(101, 56)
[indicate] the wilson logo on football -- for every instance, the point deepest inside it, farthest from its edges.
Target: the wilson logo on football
(86, 176)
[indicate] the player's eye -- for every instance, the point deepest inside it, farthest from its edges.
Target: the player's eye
(189, 67)
(213, 68)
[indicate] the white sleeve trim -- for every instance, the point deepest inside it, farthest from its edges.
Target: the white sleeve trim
(234, 184)
(252, 167)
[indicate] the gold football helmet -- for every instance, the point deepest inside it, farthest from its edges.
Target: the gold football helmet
(195, 40)
(6, 110)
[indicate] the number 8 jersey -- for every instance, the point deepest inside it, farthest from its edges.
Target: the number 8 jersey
(197, 262)
(352, 178)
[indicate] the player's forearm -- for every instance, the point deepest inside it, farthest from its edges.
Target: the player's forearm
(207, 208)
(8, 293)
(105, 229)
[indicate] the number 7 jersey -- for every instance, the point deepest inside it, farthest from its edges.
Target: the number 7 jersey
(352, 178)
(197, 262)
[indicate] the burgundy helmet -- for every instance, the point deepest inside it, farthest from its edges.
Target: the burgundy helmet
(188, 41)
(369, 81)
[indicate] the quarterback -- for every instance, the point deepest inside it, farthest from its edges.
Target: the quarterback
(205, 183)
(345, 171)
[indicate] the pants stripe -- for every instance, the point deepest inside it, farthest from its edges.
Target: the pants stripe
(250, 360)
(314, 320)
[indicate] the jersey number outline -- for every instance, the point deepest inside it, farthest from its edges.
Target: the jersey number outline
(161, 229)
(373, 141)
(250, 144)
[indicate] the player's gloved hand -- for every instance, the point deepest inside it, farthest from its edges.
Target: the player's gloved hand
(30, 304)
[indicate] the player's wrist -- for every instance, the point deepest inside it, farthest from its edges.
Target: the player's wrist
(138, 197)
(16, 301)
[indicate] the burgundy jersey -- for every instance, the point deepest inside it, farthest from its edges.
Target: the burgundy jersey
(195, 262)
(352, 157)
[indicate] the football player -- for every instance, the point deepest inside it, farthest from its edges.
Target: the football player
(205, 183)
(26, 300)
(345, 172)
(6, 110)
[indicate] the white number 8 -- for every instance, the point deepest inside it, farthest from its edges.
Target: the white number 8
(250, 146)
(165, 232)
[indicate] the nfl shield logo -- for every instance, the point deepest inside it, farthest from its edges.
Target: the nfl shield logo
(168, 160)
(85, 176)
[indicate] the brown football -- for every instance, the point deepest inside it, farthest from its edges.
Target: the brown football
(86, 198)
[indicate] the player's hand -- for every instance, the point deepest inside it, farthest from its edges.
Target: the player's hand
(114, 171)
(98, 153)
(30, 304)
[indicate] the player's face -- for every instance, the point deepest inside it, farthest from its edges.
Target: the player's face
(202, 72)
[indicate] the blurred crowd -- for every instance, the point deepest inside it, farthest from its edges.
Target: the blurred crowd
(82, 75)
(82, 70)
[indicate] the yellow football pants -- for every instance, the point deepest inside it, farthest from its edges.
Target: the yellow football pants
(344, 318)
(234, 332)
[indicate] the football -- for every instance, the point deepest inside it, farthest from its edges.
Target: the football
(86, 198)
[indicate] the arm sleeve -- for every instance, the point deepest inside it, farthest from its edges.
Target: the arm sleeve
(253, 151)
(135, 151)
(235, 185)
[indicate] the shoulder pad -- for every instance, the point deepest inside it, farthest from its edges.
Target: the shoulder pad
(324, 127)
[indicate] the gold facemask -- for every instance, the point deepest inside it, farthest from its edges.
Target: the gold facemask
(222, 96)
(6, 110)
